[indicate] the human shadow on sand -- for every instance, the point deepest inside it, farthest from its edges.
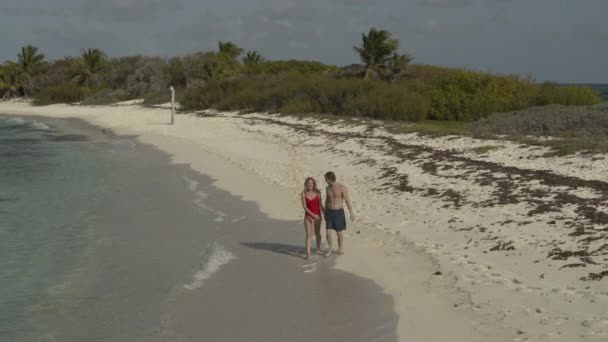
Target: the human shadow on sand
(281, 248)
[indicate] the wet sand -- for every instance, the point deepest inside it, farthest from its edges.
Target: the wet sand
(161, 226)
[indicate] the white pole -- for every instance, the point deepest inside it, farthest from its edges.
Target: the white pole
(172, 105)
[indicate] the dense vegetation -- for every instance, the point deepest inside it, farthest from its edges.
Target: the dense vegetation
(428, 93)
(384, 86)
(554, 120)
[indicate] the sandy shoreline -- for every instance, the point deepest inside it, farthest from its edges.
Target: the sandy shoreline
(510, 234)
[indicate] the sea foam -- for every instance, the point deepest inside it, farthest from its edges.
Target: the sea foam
(217, 256)
(200, 197)
(39, 125)
(15, 121)
(34, 124)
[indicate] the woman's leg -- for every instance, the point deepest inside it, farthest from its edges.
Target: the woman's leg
(318, 236)
(308, 226)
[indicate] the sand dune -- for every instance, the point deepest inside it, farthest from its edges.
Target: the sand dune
(507, 245)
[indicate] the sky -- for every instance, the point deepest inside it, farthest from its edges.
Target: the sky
(560, 40)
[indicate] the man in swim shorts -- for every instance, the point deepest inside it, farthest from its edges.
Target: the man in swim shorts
(334, 212)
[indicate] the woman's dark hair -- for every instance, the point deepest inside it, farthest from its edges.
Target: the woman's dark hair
(331, 176)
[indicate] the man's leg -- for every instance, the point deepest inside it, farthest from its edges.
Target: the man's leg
(329, 221)
(340, 242)
(329, 246)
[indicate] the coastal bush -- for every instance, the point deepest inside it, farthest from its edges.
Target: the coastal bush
(555, 120)
(388, 102)
(469, 96)
(296, 94)
(66, 93)
(118, 70)
(162, 97)
(384, 86)
(106, 96)
(553, 93)
(438, 94)
(148, 76)
(290, 67)
(88, 68)
(9, 81)
(56, 73)
(176, 73)
(603, 107)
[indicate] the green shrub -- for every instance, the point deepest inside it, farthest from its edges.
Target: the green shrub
(66, 93)
(388, 102)
(106, 96)
(310, 94)
(554, 120)
(289, 67)
(162, 97)
(552, 93)
(436, 93)
(468, 96)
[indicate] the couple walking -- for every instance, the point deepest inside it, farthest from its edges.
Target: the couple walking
(333, 211)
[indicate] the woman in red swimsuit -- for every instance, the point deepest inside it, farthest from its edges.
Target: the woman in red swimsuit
(313, 207)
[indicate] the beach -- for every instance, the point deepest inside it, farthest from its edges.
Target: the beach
(450, 243)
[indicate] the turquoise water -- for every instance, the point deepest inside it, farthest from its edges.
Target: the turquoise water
(48, 183)
(103, 238)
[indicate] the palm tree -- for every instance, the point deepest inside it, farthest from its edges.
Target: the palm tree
(29, 64)
(376, 50)
(91, 62)
(252, 58)
(397, 65)
(230, 50)
(399, 61)
(213, 71)
(9, 80)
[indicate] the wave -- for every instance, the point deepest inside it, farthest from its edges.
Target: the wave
(200, 197)
(15, 121)
(218, 256)
(40, 126)
(33, 124)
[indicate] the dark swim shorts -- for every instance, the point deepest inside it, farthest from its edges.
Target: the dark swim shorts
(335, 219)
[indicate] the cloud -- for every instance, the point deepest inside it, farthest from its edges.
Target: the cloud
(129, 10)
(594, 29)
(357, 2)
(33, 9)
(107, 11)
(478, 33)
(500, 18)
(444, 3)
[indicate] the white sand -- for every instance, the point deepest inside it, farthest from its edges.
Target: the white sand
(448, 221)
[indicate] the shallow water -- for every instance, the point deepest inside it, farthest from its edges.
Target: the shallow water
(103, 239)
(47, 201)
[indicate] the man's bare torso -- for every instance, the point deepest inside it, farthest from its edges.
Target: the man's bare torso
(334, 197)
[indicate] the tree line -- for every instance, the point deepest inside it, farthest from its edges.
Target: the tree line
(385, 84)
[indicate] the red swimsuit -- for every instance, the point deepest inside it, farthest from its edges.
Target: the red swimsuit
(313, 205)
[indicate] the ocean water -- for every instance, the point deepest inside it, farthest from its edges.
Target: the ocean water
(103, 238)
(48, 182)
(95, 231)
